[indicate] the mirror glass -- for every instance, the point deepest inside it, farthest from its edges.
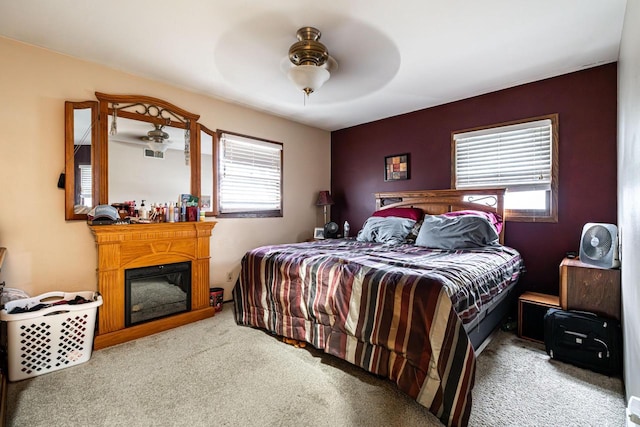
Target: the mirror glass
(206, 168)
(82, 159)
(80, 134)
(141, 170)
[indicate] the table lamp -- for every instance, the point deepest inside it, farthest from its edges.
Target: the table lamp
(324, 200)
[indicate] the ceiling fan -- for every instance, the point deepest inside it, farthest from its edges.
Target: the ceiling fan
(272, 72)
(157, 139)
(309, 64)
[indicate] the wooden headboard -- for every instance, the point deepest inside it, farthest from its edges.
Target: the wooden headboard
(437, 202)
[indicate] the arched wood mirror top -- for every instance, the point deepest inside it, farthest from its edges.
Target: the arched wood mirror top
(156, 174)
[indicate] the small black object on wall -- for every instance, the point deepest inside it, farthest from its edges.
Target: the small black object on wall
(61, 180)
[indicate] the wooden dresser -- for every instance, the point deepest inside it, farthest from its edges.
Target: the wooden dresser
(586, 287)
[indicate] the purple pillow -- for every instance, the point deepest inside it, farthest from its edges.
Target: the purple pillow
(415, 214)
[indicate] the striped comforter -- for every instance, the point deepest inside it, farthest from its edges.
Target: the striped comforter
(396, 311)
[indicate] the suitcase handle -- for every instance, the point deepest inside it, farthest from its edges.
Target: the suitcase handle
(588, 313)
(604, 344)
(577, 334)
(581, 336)
(583, 312)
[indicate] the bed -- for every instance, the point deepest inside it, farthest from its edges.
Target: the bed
(399, 309)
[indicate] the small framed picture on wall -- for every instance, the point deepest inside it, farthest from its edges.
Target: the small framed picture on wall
(396, 167)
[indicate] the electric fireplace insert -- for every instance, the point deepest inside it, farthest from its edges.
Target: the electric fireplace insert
(155, 292)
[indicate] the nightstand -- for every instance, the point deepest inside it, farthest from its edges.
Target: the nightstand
(532, 307)
(586, 287)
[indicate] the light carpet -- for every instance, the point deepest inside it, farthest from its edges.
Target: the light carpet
(214, 373)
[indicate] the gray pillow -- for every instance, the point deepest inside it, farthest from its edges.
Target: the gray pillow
(441, 232)
(389, 229)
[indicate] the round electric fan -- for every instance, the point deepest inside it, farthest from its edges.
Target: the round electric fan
(596, 242)
(599, 245)
(330, 230)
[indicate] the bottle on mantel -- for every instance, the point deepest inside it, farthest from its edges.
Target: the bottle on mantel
(142, 211)
(172, 217)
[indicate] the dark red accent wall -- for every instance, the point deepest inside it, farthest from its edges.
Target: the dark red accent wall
(586, 102)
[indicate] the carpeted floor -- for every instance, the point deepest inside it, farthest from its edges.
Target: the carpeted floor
(517, 384)
(214, 373)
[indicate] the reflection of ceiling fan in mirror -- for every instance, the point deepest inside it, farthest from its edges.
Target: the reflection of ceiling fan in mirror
(157, 139)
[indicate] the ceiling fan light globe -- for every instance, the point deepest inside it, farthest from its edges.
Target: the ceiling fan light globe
(157, 146)
(308, 78)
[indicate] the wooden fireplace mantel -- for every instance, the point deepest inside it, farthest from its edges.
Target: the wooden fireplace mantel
(122, 247)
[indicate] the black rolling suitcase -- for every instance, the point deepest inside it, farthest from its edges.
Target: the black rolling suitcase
(583, 339)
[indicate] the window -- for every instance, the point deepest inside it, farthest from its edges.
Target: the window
(85, 185)
(520, 156)
(249, 176)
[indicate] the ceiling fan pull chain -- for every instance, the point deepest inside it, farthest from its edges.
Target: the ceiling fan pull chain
(187, 144)
(114, 126)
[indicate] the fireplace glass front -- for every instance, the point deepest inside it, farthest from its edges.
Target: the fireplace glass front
(155, 292)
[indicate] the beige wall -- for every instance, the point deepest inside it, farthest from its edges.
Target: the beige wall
(47, 253)
(629, 193)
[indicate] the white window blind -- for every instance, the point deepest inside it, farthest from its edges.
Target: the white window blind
(516, 156)
(250, 175)
(85, 184)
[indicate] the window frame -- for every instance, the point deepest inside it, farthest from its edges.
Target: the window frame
(550, 214)
(217, 177)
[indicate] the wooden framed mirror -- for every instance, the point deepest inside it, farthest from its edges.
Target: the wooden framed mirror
(135, 161)
(81, 139)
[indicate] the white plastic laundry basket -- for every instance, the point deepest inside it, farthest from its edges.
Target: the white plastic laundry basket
(51, 338)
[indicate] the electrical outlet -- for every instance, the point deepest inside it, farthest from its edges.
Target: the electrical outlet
(229, 276)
